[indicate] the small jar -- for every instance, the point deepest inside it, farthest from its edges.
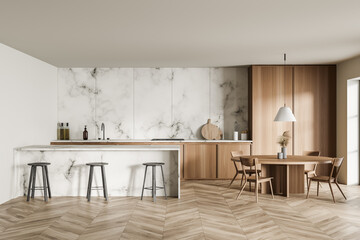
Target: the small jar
(236, 136)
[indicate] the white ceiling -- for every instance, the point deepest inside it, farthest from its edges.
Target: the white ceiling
(181, 33)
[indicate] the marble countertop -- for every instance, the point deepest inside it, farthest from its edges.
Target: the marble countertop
(99, 148)
(146, 140)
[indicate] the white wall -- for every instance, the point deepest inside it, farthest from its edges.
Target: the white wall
(346, 70)
(28, 101)
(353, 132)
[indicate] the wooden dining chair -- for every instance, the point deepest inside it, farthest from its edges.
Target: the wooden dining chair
(240, 171)
(311, 172)
(332, 178)
(253, 162)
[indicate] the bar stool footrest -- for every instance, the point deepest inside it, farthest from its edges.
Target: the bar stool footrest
(38, 188)
(97, 188)
(150, 188)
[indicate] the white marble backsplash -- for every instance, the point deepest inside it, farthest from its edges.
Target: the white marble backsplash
(143, 103)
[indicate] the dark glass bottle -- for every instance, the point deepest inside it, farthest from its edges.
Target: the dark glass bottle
(58, 131)
(85, 134)
(62, 131)
(67, 132)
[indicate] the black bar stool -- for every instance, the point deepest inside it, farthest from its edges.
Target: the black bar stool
(91, 173)
(46, 185)
(153, 187)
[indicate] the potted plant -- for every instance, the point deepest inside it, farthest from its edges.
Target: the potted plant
(284, 140)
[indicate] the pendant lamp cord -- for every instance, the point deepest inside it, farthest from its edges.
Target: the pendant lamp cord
(284, 80)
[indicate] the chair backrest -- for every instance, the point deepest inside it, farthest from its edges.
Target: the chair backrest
(337, 162)
(249, 162)
(236, 153)
(312, 153)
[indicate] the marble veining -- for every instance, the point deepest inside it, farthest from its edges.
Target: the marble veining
(152, 103)
(76, 100)
(114, 102)
(145, 103)
(68, 172)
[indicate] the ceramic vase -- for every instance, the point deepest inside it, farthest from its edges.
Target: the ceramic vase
(283, 150)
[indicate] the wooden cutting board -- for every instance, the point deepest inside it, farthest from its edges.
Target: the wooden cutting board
(211, 132)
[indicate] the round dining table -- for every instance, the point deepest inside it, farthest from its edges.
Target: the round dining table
(288, 173)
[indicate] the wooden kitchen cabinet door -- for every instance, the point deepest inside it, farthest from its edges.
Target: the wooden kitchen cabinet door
(199, 161)
(226, 168)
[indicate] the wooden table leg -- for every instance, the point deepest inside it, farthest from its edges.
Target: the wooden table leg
(297, 179)
(287, 181)
(293, 179)
(287, 178)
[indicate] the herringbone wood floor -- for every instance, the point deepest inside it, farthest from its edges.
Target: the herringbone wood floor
(207, 210)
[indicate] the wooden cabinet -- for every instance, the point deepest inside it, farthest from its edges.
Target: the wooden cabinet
(310, 91)
(211, 160)
(270, 87)
(225, 167)
(199, 161)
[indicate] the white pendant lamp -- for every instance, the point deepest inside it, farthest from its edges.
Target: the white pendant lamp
(285, 114)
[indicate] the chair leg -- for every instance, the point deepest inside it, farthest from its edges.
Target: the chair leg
(307, 195)
(142, 191)
(233, 179)
(242, 189)
(33, 183)
(319, 182)
(250, 183)
(90, 183)
(162, 173)
(44, 183)
(256, 192)
(242, 179)
(271, 189)
(332, 193)
(340, 190)
(104, 182)
(307, 180)
(317, 189)
(47, 180)
(30, 181)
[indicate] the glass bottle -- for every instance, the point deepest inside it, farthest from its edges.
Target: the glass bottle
(67, 132)
(85, 134)
(58, 131)
(62, 131)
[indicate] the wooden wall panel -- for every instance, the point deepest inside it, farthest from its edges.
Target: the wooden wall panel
(267, 96)
(315, 111)
(199, 161)
(226, 169)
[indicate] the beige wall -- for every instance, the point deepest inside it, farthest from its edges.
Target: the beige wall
(345, 70)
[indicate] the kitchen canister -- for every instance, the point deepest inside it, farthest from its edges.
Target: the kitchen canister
(243, 136)
(236, 136)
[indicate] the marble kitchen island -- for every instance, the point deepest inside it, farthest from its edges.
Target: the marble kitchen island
(69, 175)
